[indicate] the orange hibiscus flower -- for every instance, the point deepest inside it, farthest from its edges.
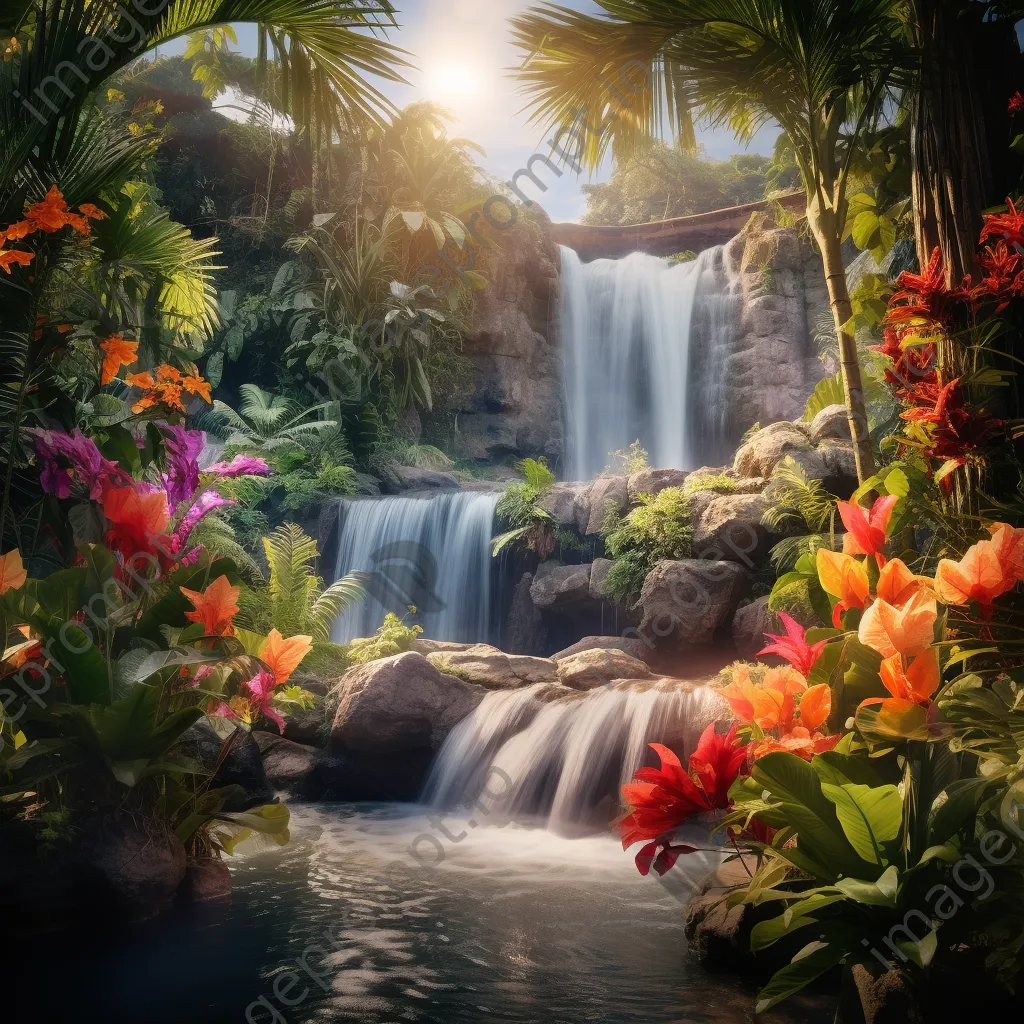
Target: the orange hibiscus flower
(985, 572)
(13, 257)
(215, 607)
(908, 630)
(12, 571)
(897, 584)
(117, 352)
(283, 656)
(845, 578)
(907, 711)
(138, 516)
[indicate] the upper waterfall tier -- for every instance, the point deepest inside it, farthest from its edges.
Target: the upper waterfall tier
(645, 349)
(431, 552)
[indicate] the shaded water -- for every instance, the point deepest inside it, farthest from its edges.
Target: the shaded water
(645, 346)
(430, 551)
(512, 925)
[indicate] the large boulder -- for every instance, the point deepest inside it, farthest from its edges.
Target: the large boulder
(525, 632)
(749, 625)
(654, 481)
(586, 670)
(730, 529)
(206, 879)
(493, 669)
(397, 479)
(633, 646)
(561, 587)
(685, 602)
(593, 503)
(830, 422)
(400, 703)
(561, 501)
(599, 589)
(767, 447)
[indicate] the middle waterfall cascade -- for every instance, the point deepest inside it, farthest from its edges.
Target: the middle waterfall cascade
(431, 551)
(563, 760)
(645, 346)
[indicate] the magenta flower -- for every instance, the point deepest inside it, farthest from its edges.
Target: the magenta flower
(67, 456)
(794, 646)
(261, 686)
(241, 465)
(202, 506)
(182, 477)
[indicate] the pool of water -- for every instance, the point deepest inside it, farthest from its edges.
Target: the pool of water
(381, 916)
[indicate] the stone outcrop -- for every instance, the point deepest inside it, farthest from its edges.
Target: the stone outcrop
(243, 765)
(561, 587)
(765, 449)
(685, 602)
(654, 481)
(397, 479)
(582, 507)
(730, 529)
(287, 764)
(205, 879)
(400, 703)
(525, 631)
(589, 669)
(633, 646)
(493, 669)
(514, 405)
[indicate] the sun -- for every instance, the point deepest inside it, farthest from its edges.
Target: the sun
(454, 82)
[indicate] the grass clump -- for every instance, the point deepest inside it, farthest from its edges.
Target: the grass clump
(659, 527)
(393, 637)
(716, 482)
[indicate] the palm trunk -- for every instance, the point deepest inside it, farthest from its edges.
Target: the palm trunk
(839, 299)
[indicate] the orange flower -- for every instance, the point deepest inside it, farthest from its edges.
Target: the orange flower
(799, 741)
(140, 380)
(844, 578)
(740, 694)
(170, 395)
(215, 607)
(147, 401)
(197, 386)
(116, 353)
(91, 212)
(981, 575)
(12, 571)
(51, 214)
(10, 257)
(1009, 548)
(866, 528)
(907, 713)
(166, 372)
(17, 231)
(138, 516)
(897, 584)
(28, 650)
(908, 630)
(283, 656)
(815, 706)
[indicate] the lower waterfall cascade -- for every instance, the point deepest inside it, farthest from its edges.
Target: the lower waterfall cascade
(431, 551)
(645, 346)
(561, 762)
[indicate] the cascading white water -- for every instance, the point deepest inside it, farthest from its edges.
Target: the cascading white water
(562, 761)
(431, 551)
(636, 335)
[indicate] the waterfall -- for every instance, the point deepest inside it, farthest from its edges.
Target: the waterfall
(431, 551)
(645, 346)
(561, 761)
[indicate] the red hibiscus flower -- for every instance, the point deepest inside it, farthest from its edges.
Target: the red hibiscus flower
(925, 300)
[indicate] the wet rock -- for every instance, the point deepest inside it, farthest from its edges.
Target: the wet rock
(831, 422)
(593, 503)
(599, 570)
(730, 529)
(243, 765)
(425, 647)
(561, 587)
(685, 602)
(493, 669)
(205, 879)
(286, 763)
(654, 481)
(525, 632)
(586, 670)
(749, 625)
(397, 479)
(633, 646)
(561, 501)
(400, 703)
(885, 997)
(763, 451)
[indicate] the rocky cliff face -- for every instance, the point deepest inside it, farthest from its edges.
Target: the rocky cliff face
(515, 407)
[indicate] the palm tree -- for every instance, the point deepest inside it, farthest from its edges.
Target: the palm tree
(819, 68)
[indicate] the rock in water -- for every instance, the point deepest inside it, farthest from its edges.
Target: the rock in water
(586, 670)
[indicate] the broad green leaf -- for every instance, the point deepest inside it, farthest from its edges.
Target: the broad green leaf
(870, 816)
(814, 960)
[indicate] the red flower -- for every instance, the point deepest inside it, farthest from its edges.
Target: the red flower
(924, 300)
(1003, 278)
(1015, 104)
(661, 799)
(867, 527)
(794, 646)
(955, 431)
(1007, 226)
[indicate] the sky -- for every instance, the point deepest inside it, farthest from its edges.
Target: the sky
(462, 52)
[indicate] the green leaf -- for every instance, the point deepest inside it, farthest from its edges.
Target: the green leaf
(875, 894)
(798, 915)
(814, 960)
(870, 816)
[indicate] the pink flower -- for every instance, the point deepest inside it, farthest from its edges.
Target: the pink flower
(241, 465)
(793, 646)
(182, 477)
(66, 457)
(202, 506)
(262, 686)
(867, 527)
